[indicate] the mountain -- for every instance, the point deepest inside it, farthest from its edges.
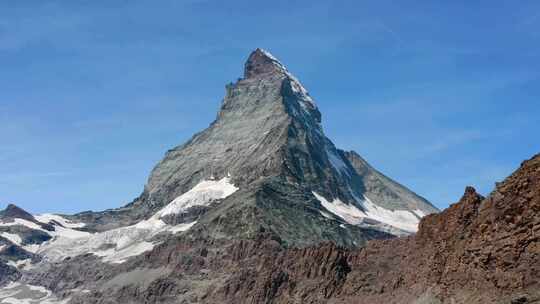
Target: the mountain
(267, 140)
(261, 181)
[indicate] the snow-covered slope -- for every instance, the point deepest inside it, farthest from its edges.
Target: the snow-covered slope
(52, 218)
(117, 245)
(19, 293)
(364, 211)
(114, 246)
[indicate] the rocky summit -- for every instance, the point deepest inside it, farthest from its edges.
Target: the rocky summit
(262, 207)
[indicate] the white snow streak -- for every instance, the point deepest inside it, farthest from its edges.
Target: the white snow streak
(337, 162)
(48, 217)
(17, 293)
(59, 232)
(420, 213)
(326, 215)
(19, 263)
(352, 214)
(401, 219)
(14, 238)
(21, 222)
(117, 245)
(296, 84)
(201, 195)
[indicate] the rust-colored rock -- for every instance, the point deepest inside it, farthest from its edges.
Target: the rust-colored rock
(479, 250)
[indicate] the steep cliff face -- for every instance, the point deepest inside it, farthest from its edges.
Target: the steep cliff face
(292, 180)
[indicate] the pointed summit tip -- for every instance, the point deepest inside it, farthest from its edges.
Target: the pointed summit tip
(261, 62)
(13, 211)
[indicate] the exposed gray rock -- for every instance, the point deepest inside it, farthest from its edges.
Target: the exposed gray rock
(8, 274)
(267, 135)
(384, 191)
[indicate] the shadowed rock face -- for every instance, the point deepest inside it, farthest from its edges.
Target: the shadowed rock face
(8, 274)
(13, 211)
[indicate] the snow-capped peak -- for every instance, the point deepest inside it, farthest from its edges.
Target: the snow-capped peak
(261, 62)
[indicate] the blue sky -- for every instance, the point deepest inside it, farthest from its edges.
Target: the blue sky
(436, 94)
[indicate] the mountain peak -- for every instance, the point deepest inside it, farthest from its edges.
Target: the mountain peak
(13, 211)
(261, 62)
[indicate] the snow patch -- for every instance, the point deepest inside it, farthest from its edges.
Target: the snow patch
(48, 217)
(117, 245)
(419, 212)
(337, 162)
(202, 194)
(58, 233)
(352, 214)
(182, 227)
(326, 215)
(114, 246)
(21, 222)
(14, 238)
(31, 247)
(17, 293)
(61, 232)
(401, 219)
(25, 263)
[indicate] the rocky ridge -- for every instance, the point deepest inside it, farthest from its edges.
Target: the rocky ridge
(479, 250)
